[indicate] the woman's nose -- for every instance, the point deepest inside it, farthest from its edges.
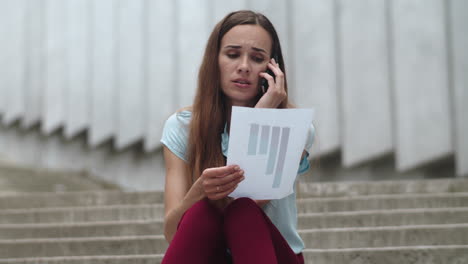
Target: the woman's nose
(244, 65)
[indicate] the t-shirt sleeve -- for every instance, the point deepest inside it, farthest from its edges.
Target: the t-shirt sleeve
(310, 138)
(175, 134)
(304, 165)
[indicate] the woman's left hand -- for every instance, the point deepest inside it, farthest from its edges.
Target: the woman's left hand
(261, 203)
(276, 92)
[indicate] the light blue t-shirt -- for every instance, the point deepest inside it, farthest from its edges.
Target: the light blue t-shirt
(282, 212)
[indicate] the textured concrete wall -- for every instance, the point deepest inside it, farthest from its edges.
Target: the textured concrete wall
(314, 68)
(364, 63)
(421, 87)
(459, 58)
(12, 58)
(385, 77)
(132, 169)
(103, 117)
(55, 64)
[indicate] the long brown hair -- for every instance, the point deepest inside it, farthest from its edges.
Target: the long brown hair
(210, 107)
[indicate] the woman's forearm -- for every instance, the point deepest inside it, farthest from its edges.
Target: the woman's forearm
(172, 218)
(262, 203)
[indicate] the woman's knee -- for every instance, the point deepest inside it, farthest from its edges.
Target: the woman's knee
(243, 203)
(240, 210)
(203, 217)
(245, 226)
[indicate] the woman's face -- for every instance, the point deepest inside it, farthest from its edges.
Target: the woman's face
(244, 53)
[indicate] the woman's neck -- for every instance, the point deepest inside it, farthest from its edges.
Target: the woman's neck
(230, 104)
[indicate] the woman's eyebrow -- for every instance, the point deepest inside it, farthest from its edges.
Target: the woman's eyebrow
(233, 47)
(259, 49)
(239, 47)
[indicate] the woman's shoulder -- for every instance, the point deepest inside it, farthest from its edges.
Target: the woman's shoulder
(181, 117)
(310, 132)
(185, 109)
(175, 132)
(179, 121)
(310, 137)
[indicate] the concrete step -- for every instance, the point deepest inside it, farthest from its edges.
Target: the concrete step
(382, 202)
(135, 227)
(452, 254)
(398, 217)
(156, 211)
(94, 198)
(87, 229)
(456, 254)
(111, 259)
(82, 214)
(389, 236)
(18, 179)
(430, 235)
(336, 189)
(95, 246)
(391, 255)
(305, 190)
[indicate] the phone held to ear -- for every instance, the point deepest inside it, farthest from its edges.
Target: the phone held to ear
(264, 84)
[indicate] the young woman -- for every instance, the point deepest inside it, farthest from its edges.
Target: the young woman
(202, 223)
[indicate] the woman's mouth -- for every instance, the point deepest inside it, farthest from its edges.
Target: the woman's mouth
(242, 83)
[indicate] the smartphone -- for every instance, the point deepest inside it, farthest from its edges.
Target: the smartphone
(264, 85)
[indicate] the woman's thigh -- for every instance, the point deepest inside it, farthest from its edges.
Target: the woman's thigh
(253, 238)
(199, 236)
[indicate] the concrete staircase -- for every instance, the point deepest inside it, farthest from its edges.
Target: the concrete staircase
(423, 221)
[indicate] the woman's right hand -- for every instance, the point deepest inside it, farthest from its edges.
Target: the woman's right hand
(217, 183)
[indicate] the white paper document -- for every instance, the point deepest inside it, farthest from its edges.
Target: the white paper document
(267, 144)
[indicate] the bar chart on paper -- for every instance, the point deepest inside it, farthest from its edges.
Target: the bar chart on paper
(274, 147)
(267, 144)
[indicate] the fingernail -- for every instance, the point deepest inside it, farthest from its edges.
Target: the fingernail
(243, 178)
(241, 172)
(236, 167)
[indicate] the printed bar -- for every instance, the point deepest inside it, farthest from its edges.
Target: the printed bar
(264, 136)
(281, 157)
(252, 148)
(273, 150)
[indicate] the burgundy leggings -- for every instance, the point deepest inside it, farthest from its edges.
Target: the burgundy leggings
(204, 233)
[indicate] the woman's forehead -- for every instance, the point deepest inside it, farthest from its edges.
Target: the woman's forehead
(247, 36)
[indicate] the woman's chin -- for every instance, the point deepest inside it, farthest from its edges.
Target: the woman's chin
(242, 97)
(248, 102)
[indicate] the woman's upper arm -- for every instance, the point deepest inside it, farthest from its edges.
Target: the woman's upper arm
(307, 147)
(177, 181)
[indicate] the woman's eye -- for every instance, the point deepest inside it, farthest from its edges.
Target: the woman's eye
(232, 55)
(258, 59)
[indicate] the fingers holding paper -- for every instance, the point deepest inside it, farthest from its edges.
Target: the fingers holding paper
(219, 182)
